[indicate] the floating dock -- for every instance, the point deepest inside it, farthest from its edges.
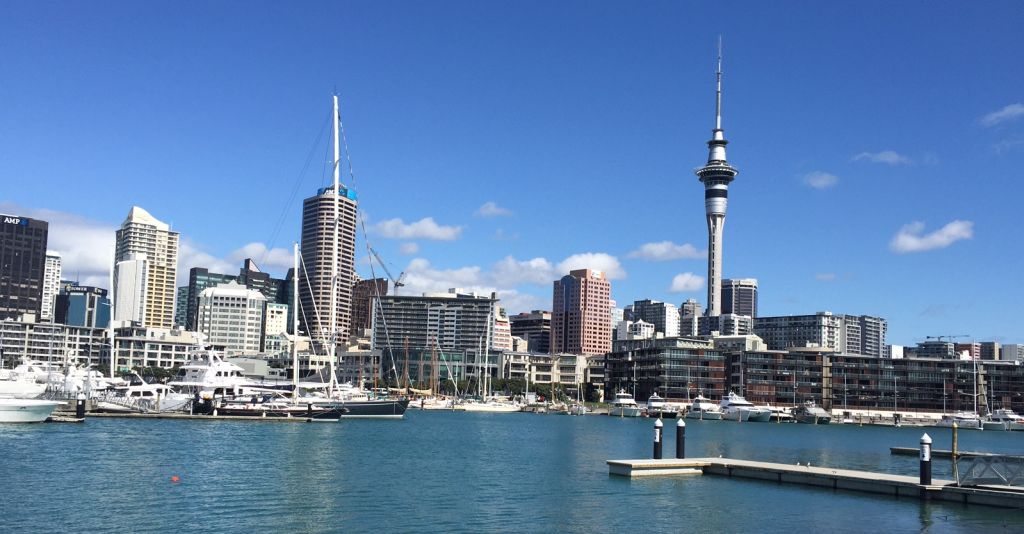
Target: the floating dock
(299, 419)
(824, 477)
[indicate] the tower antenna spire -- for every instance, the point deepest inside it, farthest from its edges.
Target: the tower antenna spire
(718, 88)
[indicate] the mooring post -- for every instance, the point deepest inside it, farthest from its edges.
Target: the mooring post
(657, 438)
(956, 472)
(680, 438)
(80, 407)
(926, 460)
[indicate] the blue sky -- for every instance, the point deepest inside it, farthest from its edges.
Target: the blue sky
(879, 144)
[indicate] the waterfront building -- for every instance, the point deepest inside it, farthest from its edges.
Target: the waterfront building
(501, 335)
(674, 368)
(990, 350)
(320, 228)
(22, 265)
(569, 370)
(166, 348)
(635, 330)
(716, 175)
(84, 306)
(50, 342)
(363, 294)
(436, 335)
(141, 233)
(535, 327)
(520, 345)
(689, 318)
(936, 349)
(662, 315)
(232, 315)
(581, 313)
(739, 296)
(51, 285)
(130, 275)
(848, 334)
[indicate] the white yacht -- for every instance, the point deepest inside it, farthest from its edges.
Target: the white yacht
(26, 410)
(736, 408)
(659, 407)
(1003, 419)
(142, 397)
(623, 405)
(703, 409)
(969, 420)
(210, 376)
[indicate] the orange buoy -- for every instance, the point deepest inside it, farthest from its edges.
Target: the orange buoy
(175, 478)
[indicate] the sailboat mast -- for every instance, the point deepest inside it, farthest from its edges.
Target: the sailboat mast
(333, 348)
(295, 320)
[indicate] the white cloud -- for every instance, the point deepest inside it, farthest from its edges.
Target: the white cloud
(598, 261)
(86, 246)
(425, 228)
(686, 282)
(409, 248)
(886, 156)
(191, 255)
(511, 272)
(666, 251)
(491, 209)
(276, 260)
(1008, 113)
(825, 277)
(820, 180)
(911, 239)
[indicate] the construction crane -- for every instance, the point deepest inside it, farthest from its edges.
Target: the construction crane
(398, 282)
(948, 337)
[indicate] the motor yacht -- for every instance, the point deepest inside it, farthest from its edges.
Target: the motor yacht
(703, 409)
(623, 405)
(811, 413)
(1003, 419)
(209, 375)
(736, 408)
(658, 407)
(26, 410)
(969, 420)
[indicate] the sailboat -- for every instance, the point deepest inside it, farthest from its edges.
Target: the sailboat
(352, 399)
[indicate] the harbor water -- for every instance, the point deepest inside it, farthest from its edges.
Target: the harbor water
(457, 472)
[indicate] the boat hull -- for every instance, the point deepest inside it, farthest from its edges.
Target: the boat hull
(751, 415)
(704, 415)
(625, 411)
(811, 419)
(26, 410)
(375, 409)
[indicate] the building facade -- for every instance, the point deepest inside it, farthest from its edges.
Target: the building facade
(847, 334)
(130, 275)
(739, 296)
(319, 261)
(51, 285)
(664, 316)
(249, 275)
(83, 306)
(363, 293)
(53, 343)
(534, 327)
(581, 313)
(141, 233)
(22, 266)
(232, 315)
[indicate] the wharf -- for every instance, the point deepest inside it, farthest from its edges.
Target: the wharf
(211, 417)
(823, 477)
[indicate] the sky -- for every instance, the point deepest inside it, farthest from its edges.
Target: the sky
(496, 145)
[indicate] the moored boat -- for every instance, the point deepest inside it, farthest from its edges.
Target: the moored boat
(659, 407)
(736, 408)
(812, 414)
(623, 405)
(1003, 419)
(968, 420)
(26, 410)
(703, 409)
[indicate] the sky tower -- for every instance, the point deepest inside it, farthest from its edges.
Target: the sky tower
(715, 176)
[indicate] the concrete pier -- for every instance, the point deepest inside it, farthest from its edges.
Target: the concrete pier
(824, 477)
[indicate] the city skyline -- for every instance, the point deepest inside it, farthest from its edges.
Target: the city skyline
(859, 191)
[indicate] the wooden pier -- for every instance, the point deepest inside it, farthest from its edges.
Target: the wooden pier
(823, 477)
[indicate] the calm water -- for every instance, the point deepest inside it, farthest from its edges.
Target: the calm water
(443, 471)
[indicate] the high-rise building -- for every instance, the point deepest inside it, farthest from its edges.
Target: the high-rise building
(664, 316)
(716, 176)
(22, 266)
(232, 315)
(130, 275)
(501, 330)
(581, 313)
(318, 237)
(249, 275)
(535, 328)
(363, 293)
(181, 307)
(846, 334)
(82, 306)
(143, 233)
(275, 326)
(990, 350)
(51, 285)
(739, 296)
(1011, 352)
(690, 308)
